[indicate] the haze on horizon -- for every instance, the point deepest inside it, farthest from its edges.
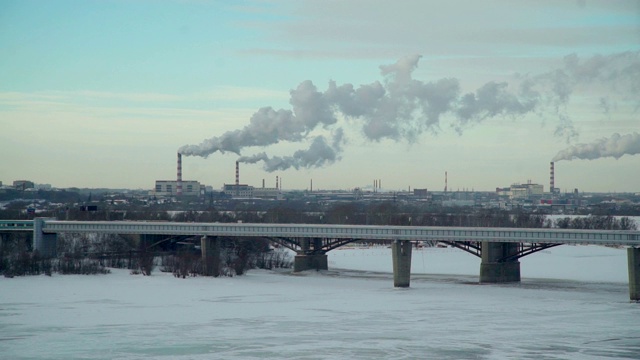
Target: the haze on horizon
(103, 94)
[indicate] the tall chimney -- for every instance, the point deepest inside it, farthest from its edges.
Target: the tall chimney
(237, 178)
(179, 178)
(277, 182)
(311, 188)
(552, 178)
(445, 181)
(263, 183)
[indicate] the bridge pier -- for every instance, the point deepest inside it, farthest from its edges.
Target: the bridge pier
(45, 244)
(401, 255)
(633, 256)
(303, 262)
(311, 256)
(493, 268)
(210, 247)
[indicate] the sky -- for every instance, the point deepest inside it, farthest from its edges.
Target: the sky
(106, 93)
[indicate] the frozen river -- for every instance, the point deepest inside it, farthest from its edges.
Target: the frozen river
(572, 304)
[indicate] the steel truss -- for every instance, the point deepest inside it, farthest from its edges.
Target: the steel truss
(475, 248)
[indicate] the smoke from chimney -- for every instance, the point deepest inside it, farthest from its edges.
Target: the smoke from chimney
(179, 177)
(615, 146)
(401, 108)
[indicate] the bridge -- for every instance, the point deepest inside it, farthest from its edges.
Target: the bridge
(498, 248)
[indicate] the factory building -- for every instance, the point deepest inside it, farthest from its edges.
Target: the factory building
(23, 184)
(170, 188)
(521, 191)
(238, 190)
(247, 191)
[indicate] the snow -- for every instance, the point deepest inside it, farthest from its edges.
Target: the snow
(572, 303)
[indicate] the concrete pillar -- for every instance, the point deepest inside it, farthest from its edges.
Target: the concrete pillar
(303, 262)
(493, 268)
(45, 244)
(401, 255)
(210, 247)
(633, 255)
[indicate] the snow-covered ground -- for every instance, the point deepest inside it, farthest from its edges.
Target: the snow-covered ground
(572, 304)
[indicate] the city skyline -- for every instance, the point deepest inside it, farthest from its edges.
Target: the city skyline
(104, 94)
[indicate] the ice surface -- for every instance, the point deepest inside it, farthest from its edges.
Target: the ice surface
(572, 304)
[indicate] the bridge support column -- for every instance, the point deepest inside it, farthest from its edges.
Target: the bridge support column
(303, 262)
(45, 244)
(493, 268)
(210, 247)
(311, 256)
(633, 255)
(401, 255)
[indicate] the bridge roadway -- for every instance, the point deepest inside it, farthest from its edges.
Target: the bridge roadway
(499, 248)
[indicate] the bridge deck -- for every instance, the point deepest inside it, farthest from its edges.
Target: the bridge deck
(364, 232)
(16, 225)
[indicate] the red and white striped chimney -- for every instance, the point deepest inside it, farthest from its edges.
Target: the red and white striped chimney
(552, 178)
(179, 178)
(237, 173)
(237, 178)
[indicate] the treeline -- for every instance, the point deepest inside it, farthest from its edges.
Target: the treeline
(95, 253)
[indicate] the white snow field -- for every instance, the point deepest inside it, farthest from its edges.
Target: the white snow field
(572, 304)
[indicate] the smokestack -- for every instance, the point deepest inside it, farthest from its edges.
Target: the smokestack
(179, 178)
(311, 188)
(379, 184)
(263, 183)
(237, 178)
(552, 178)
(445, 181)
(277, 182)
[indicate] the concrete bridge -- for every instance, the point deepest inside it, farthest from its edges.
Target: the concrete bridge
(498, 248)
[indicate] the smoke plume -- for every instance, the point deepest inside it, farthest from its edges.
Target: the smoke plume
(615, 146)
(401, 108)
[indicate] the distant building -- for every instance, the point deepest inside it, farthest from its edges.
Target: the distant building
(23, 184)
(521, 191)
(248, 191)
(170, 188)
(420, 192)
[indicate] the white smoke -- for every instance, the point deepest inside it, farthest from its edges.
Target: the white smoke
(615, 146)
(401, 108)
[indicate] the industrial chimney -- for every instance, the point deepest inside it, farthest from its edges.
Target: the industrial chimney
(277, 182)
(179, 178)
(237, 178)
(552, 178)
(445, 181)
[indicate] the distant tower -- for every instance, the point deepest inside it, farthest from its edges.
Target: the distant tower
(237, 178)
(552, 178)
(179, 178)
(277, 182)
(311, 186)
(445, 181)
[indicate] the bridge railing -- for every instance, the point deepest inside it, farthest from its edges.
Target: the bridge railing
(363, 232)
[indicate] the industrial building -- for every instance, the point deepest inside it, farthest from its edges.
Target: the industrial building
(170, 188)
(521, 191)
(23, 184)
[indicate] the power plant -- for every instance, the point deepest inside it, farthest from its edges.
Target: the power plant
(528, 193)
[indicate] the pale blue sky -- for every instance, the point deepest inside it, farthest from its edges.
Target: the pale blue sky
(103, 93)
